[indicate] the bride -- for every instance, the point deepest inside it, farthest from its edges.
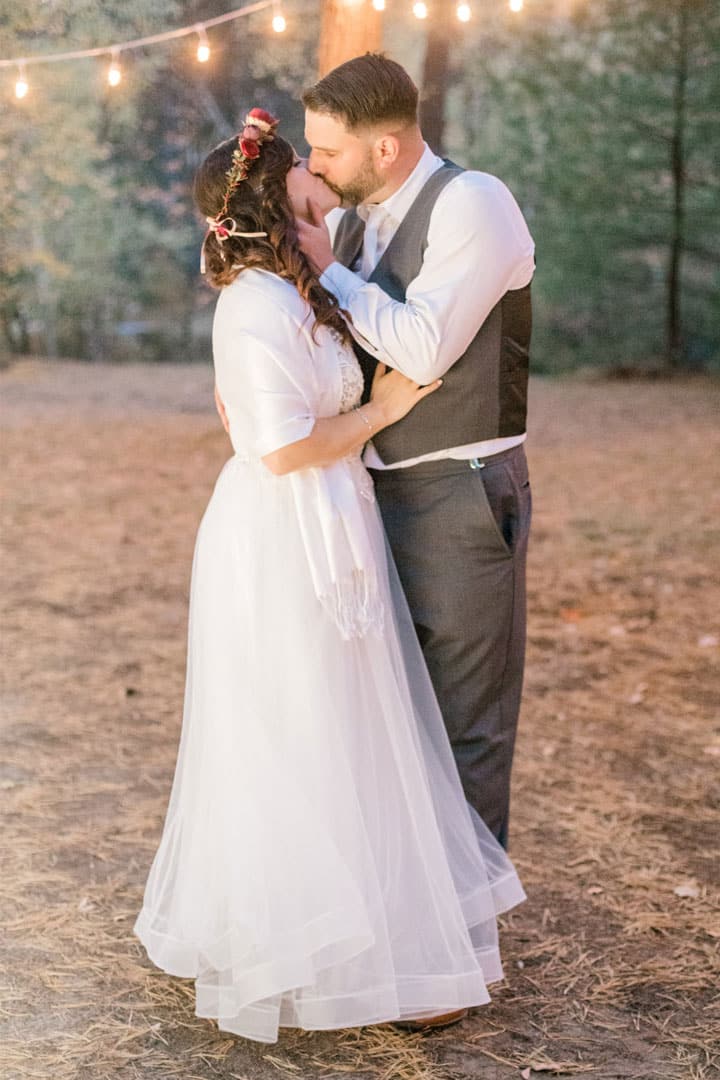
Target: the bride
(319, 866)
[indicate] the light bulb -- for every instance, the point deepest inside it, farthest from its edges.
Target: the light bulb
(21, 83)
(279, 24)
(379, 5)
(203, 49)
(516, 5)
(114, 74)
(420, 10)
(463, 12)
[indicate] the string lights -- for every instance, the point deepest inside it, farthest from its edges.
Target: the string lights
(463, 11)
(114, 71)
(420, 10)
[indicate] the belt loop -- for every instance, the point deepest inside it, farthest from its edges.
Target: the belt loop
(475, 463)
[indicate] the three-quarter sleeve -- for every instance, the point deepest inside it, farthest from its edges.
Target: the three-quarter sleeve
(264, 364)
(279, 401)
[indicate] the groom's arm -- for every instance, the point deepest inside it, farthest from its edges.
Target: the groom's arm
(479, 247)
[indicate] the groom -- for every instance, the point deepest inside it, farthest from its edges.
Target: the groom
(434, 264)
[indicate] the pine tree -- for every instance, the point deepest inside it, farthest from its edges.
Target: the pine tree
(604, 125)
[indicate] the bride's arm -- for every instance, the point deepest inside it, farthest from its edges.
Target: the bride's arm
(268, 374)
(330, 439)
(393, 396)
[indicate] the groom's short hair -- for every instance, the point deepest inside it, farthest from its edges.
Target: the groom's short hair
(365, 91)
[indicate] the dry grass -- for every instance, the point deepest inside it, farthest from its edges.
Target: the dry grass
(611, 972)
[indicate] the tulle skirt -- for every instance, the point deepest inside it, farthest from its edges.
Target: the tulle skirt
(319, 866)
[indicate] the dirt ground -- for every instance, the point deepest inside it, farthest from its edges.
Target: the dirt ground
(612, 964)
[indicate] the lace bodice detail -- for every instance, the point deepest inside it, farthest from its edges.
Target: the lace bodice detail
(352, 380)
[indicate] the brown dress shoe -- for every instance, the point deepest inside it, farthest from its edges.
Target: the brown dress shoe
(432, 1023)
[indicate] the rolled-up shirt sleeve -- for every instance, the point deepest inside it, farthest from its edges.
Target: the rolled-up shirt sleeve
(479, 247)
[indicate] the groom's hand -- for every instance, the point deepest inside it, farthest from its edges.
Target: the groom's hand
(315, 239)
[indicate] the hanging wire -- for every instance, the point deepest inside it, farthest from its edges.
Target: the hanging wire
(138, 43)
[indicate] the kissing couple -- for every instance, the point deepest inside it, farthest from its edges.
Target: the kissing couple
(334, 851)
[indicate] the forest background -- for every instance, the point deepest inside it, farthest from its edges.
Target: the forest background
(601, 116)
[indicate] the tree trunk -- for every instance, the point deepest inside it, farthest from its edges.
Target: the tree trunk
(45, 293)
(441, 34)
(673, 339)
(15, 329)
(346, 30)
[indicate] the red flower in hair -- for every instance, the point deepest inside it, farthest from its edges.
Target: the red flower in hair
(250, 148)
(260, 114)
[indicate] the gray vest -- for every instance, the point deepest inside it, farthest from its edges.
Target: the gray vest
(484, 393)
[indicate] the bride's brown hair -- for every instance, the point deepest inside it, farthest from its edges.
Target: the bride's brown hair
(260, 203)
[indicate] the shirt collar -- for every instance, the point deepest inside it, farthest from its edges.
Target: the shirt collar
(397, 205)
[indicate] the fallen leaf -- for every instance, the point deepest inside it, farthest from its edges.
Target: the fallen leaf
(570, 614)
(525, 1073)
(688, 888)
(708, 641)
(639, 696)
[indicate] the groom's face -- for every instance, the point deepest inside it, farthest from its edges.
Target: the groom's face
(344, 159)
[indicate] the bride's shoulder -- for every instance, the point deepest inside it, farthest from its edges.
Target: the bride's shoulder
(258, 296)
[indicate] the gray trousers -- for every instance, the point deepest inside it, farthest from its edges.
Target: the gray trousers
(458, 532)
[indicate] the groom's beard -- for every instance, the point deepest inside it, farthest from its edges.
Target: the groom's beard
(363, 184)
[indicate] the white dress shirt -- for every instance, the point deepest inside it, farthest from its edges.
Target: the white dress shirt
(478, 247)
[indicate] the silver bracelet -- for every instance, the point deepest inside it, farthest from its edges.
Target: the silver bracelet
(363, 417)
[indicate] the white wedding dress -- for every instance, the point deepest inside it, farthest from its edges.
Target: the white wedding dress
(319, 866)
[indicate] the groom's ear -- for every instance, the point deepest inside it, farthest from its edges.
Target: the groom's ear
(386, 149)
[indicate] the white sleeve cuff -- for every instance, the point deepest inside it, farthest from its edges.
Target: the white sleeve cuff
(341, 282)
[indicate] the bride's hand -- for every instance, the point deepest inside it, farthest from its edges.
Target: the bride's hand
(396, 394)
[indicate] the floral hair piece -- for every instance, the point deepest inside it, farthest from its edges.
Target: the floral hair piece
(259, 128)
